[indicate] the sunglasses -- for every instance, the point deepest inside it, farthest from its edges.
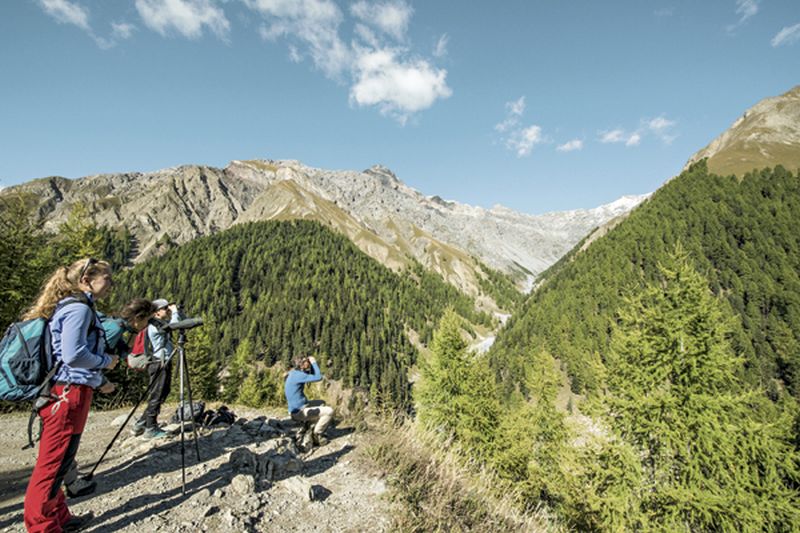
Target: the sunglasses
(89, 262)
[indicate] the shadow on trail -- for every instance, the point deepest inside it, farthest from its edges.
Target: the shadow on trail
(164, 459)
(143, 506)
(13, 485)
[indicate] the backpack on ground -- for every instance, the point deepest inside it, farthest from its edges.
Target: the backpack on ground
(223, 415)
(141, 352)
(197, 407)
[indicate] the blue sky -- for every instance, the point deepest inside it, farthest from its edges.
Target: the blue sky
(535, 105)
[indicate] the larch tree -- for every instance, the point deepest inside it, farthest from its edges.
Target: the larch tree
(715, 454)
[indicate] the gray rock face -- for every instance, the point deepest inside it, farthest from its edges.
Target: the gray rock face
(384, 217)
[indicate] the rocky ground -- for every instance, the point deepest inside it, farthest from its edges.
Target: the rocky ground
(251, 477)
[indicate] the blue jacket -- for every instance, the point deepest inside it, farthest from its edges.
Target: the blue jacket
(80, 347)
(295, 382)
(161, 341)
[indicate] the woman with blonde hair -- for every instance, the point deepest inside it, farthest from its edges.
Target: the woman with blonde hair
(78, 346)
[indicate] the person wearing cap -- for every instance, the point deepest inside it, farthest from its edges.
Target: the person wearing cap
(160, 370)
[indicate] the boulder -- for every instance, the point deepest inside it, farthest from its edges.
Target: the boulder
(244, 460)
(243, 485)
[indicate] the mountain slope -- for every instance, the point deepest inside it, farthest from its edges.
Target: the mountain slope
(767, 134)
(743, 236)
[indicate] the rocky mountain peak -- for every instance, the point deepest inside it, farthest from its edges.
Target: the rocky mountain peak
(767, 134)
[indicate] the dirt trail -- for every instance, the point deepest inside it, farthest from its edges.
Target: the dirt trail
(251, 478)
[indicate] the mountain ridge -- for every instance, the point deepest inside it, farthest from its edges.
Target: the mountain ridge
(388, 219)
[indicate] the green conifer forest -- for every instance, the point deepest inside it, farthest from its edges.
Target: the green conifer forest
(742, 236)
(271, 290)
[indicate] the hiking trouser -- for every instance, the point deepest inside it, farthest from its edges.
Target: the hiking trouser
(62, 425)
(71, 475)
(158, 392)
(315, 411)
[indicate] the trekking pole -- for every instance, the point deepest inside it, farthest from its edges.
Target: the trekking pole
(90, 475)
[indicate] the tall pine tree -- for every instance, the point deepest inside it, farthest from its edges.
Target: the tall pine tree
(714, 455)
(457, 396)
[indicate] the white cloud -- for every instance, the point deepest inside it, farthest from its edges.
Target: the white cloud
(514, 111)
(398, 88)
(659, 124)
(314, 24)
(788, 35)
(517, 107)
(523, 141)
(381, 74)
(621, 136)
(570, 146)
(746, 9)
(67, 12)
(367, 36)
(660, 127)
(613, 136)
(187, 17)
(294, 54)
(392, 16)
(122, 30)
(516, 137)
(663, 128)
(440, 50)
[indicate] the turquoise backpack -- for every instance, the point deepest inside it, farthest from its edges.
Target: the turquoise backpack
(26, 356)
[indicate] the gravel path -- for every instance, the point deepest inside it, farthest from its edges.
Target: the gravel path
(251, 478)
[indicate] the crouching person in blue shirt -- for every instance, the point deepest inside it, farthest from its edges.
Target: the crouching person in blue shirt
(306, 370)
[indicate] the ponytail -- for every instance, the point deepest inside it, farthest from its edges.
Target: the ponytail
(63, 282)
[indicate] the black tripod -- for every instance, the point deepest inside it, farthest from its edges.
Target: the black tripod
(183, 372)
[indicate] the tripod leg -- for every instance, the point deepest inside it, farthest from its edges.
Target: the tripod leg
(147, 392)
(180, 410)
(191, 404)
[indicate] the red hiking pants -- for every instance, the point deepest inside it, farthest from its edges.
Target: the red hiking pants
(62, 424)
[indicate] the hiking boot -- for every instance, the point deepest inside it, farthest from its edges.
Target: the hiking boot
(320, 439)
(155, 434)
(138, 428)
(81, 487)
(78, 522)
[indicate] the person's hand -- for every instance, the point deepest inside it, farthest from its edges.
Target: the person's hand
(173, 307)
(311, 359)
(107, 387)
(113, 363)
